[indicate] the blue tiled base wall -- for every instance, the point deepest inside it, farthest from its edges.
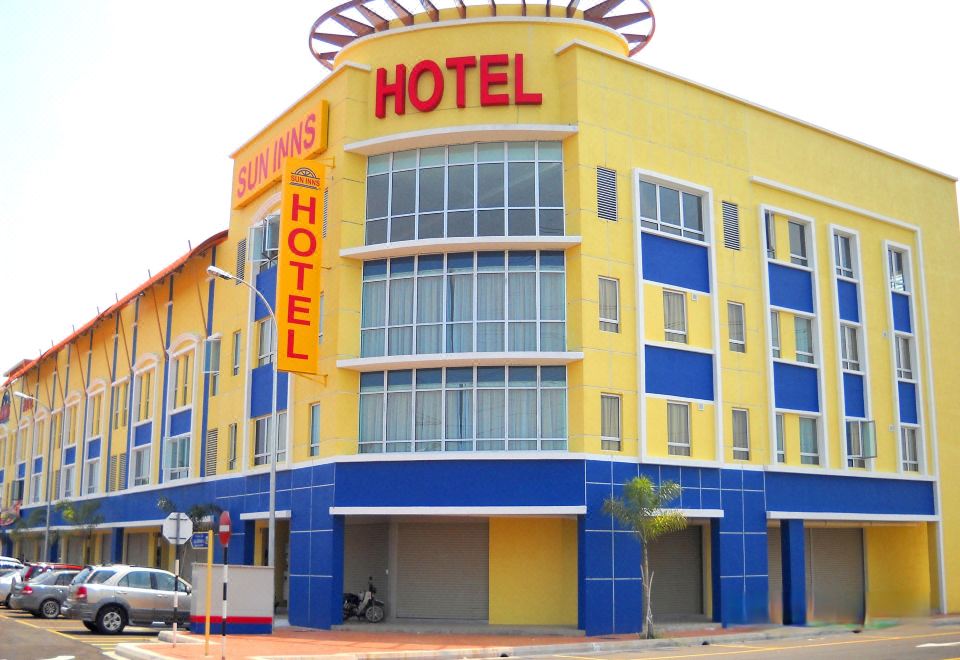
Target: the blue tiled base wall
(609, 584)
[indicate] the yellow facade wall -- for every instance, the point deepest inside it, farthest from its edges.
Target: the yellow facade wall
(898, 571)
(533, 571)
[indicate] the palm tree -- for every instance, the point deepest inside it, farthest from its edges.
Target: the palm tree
(643, 510)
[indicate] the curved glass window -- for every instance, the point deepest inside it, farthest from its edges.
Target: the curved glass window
(463, 409)
(467, 190)
(463, 302)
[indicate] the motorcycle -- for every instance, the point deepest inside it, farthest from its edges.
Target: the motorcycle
(363, 606)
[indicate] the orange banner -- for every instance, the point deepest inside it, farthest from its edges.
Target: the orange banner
(298, 268)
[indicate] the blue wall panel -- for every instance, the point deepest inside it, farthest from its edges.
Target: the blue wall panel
(795, 387)
(825, 493)
(142, 434)
(790, 287)
(266, 284)
(847, 295)
(70, 456)
(676, 263)
(21, 471)
(37, 467)
(901, 312)
(180, 423)
(908, 401)
(261, 384)
(853, 405)
(93, 448)
(678, 373)
(460, 483)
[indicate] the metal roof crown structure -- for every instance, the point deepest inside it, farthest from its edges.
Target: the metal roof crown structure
(352, 20)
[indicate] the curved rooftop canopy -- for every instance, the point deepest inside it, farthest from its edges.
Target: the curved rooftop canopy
(337, 28)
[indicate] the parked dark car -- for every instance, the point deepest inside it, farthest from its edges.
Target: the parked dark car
(44, 594)
(28, 572)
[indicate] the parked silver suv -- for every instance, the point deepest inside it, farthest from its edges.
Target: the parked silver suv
(114, 596)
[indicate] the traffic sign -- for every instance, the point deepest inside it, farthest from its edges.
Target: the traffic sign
(225, 529)
(177, 528)
(199, 541)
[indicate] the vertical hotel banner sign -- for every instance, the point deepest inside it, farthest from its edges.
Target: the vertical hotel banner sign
(298, 268)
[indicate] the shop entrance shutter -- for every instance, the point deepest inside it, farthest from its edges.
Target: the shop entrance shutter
(74, 553)
(835, 584)
(365, 555)
(138, 546)
(775, 571)
(677, 564)
(443, 571)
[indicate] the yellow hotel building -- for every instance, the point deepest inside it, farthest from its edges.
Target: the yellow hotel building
(547, 268)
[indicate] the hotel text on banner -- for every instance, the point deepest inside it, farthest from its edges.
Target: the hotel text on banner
(298, 269)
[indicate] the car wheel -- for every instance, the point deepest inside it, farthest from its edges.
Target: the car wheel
(50, 609)
(89, 625)
(111, 620)
(374, 614)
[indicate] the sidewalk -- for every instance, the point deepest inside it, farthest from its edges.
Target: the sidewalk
(304, 644)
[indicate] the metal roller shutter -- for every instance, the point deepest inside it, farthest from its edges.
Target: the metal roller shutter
(835, 583)
(677, 564)
(74, 553)
(138, 546)
(443, 571)
(365, 550)
(775, 572)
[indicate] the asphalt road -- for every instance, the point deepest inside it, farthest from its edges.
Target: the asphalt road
(923, 642)
(24, 637)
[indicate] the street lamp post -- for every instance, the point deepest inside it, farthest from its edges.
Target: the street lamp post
(272, 520)
(47, 466)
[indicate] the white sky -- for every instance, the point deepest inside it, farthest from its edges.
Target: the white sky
(117, 118)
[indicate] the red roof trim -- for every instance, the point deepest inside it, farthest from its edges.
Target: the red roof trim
(214, 240)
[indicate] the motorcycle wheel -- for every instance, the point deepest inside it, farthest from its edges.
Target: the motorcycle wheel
(374, 614)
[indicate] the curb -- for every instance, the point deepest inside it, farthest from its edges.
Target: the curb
(136, 652)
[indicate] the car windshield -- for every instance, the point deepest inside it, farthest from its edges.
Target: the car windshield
(101, 576)
(81, 577)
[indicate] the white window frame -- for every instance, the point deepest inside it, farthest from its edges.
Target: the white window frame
(680, 336)
(780, 430)
(801, 258)
(741, 445)
(140, 415)
(91, 468)
(315, 421)
(93, 414)
(850, 335)
(211, 362)
(140, 458)
(775, 348)
(264, 424)
(72, 423)
(805, 357)
(609, 323)
(183, 378)
(266, 334)
(737, 345)
(36, 487)
(608, 440)
(770, 233)
(908, 465)
(903, 346)
(172, 446)
(120, 391)
(685, 446)
(232, 433)
(853, 442)
(668, 229)
(235, 352)
(68, 474)
(810, 458)
(265, 241)
(899, 278)
(849, 268)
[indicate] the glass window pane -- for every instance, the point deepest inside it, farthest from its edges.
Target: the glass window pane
(431, 189)
(377, 196)
(490, 152)
(552, 302)
(490, 413)
(405, 159)
(429, 415)
(402, 229)
(520, 150)
(371, 417)
(551, 222)
(553, 414)
(522, 296)
(434, 156)
(551, 184)
(490, 337)
(692, 212)
(399, 416)
(669, 206)
(490, 223)
(460, 187)
(460, 224)
(459, 420)
(648, 200)
(430, 226)
(403, 192)
(550, 150)
(523, 222)
(378, 164)
(490, 186)
(376, 232)
(523, 414)
(520, 184)
(461, 153)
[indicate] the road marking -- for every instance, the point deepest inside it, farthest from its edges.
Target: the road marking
(932, 644)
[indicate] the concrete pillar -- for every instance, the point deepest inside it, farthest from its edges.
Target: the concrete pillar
(116, 545)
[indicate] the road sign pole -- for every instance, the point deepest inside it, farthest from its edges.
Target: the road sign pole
(225, 531)
(206, 624)
(176, 582)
